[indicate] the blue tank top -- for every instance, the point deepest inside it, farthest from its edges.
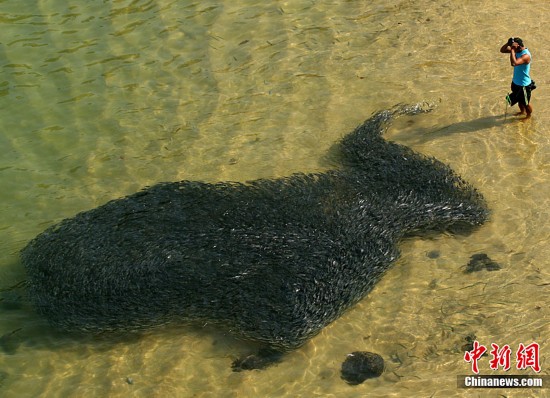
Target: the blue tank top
(521, 72)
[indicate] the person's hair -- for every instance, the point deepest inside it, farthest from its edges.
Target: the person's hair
(519, 41)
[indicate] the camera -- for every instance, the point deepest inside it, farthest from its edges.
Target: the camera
(510, 41)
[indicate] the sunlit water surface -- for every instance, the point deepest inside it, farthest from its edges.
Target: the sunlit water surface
(103, 98)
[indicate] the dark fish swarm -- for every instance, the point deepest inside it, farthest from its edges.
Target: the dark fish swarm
(271, 260)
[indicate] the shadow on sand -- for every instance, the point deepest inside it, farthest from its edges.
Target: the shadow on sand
(424, 135)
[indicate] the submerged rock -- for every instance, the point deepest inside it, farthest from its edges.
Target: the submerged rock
(479, 262)
(433, 254)
(362, 365)
(271, 260)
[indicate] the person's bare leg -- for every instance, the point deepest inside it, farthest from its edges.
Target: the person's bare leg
(522, 110)
(528, 111)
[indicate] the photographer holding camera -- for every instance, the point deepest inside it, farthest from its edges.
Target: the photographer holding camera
(522, 85)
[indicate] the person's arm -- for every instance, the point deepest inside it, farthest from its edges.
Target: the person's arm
(505, 48)
(524, 59)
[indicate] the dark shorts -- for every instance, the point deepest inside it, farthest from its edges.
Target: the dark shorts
(519, 95)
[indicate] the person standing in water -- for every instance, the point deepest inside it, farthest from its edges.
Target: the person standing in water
(522, 85)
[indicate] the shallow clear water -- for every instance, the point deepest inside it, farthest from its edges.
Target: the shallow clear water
(101, 99)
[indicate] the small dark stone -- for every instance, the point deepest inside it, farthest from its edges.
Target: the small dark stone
(469, 346)
(129, 380)
(470, 338)
(360, 366)
(481, 261)
(433, 254)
